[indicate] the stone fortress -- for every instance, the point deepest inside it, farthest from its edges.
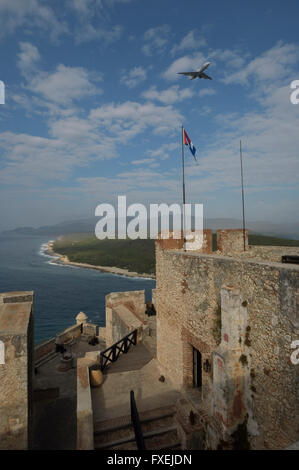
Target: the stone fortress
(212, 370)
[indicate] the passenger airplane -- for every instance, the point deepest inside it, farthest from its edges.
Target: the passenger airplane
(199, 74)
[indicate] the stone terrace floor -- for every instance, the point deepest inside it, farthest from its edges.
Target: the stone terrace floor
(137, 370)
(55, 424)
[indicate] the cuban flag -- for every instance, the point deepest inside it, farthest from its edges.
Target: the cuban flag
(187, 141)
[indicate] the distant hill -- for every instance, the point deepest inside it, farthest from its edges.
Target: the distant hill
(289, 230)
(286, 230)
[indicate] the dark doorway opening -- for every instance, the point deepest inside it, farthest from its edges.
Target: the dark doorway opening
(197, 368)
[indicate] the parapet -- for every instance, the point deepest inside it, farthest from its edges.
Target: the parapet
(125, 312)
(231, 241)
(172, 243)
(16, 370)
(15, 311)
(16, 297)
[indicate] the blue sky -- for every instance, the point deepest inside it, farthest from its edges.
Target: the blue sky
(94, 106)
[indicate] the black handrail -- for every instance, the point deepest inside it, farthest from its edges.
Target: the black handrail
(112, 353)
(136, 423)
(290, 259)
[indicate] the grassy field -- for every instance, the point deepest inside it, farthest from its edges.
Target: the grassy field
(134, 255)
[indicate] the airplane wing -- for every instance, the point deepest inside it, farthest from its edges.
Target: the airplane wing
(192, 74)
(204, 75)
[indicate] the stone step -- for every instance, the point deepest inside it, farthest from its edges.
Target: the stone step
(165, 437)
(122, 422)
(159, 431)
(149, 426)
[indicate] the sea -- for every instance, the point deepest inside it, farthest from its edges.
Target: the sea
(60, 291)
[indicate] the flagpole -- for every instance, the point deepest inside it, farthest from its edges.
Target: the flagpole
(184, 193)
(243, 206)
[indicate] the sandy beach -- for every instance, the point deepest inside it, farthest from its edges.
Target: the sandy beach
(61, 259)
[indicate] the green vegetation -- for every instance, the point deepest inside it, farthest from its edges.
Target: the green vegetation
(265, 240)
(271, 241)
(134, 255)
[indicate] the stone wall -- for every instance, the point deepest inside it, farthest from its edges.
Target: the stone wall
(16, 333)
(44, 348)
(124, 313)
(73, 331)
(49, 346)
(188, 304)
(85, 431)
(171, 243)
(232, 241)
(90, 329)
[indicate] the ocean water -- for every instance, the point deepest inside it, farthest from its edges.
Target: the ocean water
(60, 292)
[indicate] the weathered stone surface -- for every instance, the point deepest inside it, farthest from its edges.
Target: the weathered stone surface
(125, 311)
(171, 243)
(16, 334)
(188, 304)
(232, 241)
(85, 438)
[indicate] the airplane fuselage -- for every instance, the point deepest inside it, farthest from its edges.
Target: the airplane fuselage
(204, 67)
(199, 72)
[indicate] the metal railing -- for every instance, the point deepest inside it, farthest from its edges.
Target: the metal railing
(136, 423)
(112, 353)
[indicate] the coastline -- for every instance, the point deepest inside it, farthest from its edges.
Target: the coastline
(62, 259)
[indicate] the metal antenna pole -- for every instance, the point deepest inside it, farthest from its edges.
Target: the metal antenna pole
(184, 192)
(243, 206)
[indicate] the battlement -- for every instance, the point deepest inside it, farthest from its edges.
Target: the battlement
(230, 243)
(235, 313)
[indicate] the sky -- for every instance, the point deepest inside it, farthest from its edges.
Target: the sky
(94, 107)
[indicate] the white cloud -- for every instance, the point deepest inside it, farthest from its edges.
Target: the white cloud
(30, 160)
(156, 40)
(231, 58)
(163, 151)
(90, 33)
(93, 7)
(27, 57)
(143, 161)
(133, 77)
(38, 14)
(91, 20)
(270, 140)
(130, 118)
(30, 13)
(207, 92)
(192, 40)
(271, 65)
(64, 85)
(170, 95)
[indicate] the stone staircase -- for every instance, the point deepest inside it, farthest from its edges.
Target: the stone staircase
(44, 359)
(158, 427)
